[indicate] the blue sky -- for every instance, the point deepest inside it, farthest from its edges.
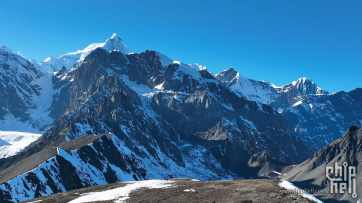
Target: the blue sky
(278, 41)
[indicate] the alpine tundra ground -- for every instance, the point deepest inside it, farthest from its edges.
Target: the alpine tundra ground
(179, 190)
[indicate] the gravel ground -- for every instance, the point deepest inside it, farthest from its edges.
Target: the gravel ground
(187, 190)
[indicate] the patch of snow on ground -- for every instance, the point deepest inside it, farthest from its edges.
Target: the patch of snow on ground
(290, 187)
(190, 190)
(122, 193)
(276, 172)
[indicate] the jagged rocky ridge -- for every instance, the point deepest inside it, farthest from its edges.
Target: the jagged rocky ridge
(316, 116)
(267, 93)
(311, 174)
(166, 116)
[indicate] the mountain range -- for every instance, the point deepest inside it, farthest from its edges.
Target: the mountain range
(316, 115)
(107, 114)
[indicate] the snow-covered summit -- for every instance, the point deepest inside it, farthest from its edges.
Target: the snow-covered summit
(111, 44)
(115, 43)
(230, 72)
(301, 81)
(306, 86)
(70, 59)
(259, 91)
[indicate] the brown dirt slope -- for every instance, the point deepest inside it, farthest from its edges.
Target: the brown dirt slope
(242, 191)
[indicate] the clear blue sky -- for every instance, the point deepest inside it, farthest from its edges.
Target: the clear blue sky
(278, 41)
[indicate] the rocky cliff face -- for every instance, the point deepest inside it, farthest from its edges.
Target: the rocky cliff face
(20, 85)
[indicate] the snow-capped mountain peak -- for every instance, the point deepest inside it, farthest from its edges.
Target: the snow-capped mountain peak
(230, 70)
(115, 43)
(260, 91)
(115, 35)
(228, 77)
(70, 59)
(302, 80)
(112, 43)
(306, 86)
